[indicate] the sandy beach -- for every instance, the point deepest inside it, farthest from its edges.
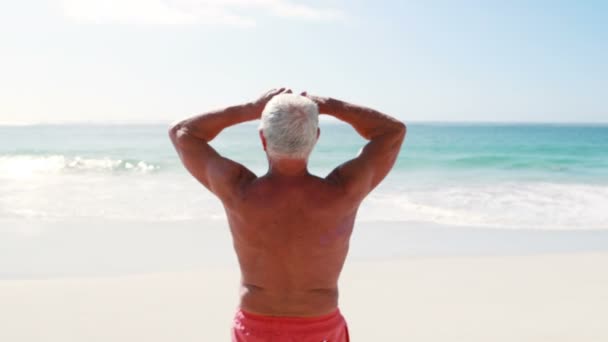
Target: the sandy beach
(559, 297)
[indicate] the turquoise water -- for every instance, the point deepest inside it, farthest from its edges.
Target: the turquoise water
(531, 152)
(481, 175)
(547, 152)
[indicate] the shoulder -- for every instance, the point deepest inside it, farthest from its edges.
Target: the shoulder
(334, 192)
(239, 189)
(341, 185)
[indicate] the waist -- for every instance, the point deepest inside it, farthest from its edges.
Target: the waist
(301, 303)
(263, 323)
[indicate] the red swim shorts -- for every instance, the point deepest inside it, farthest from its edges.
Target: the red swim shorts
(249, 327)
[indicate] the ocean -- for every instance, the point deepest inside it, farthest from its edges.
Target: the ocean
(94, 183)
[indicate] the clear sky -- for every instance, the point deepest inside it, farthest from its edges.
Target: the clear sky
(159, 60)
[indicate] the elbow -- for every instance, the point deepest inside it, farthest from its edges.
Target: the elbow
(394, 129)
(174, 130)
(400, 132)
(400, 129)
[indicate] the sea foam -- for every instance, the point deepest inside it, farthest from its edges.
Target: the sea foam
(24, 166)
(511, 205)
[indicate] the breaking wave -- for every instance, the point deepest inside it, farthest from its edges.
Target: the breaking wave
(23, 166)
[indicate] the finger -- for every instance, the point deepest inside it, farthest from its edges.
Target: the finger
(273, 92)
(270, 92)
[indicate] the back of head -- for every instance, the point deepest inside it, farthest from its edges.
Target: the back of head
(289, 123)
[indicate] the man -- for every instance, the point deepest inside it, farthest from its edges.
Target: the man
(291, 229)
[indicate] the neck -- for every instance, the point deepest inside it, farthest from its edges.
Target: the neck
(287, 167)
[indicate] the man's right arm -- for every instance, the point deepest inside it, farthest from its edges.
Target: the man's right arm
(362, 174)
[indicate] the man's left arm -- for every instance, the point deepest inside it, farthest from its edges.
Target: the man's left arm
(191, 138)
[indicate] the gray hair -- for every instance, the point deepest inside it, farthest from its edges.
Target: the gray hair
(289, 123)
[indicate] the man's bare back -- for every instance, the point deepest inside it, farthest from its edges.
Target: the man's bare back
(291, 236)
(291, 229)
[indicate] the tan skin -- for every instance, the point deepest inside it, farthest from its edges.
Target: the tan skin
(291, 229)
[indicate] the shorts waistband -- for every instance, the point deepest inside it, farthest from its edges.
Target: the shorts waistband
(291, 319)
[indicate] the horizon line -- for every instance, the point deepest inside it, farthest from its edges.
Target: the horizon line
(326, 120)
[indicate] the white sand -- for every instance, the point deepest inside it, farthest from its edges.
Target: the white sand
(530, 298)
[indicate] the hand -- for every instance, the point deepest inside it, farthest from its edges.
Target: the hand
(261, 102)
(322, 102)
